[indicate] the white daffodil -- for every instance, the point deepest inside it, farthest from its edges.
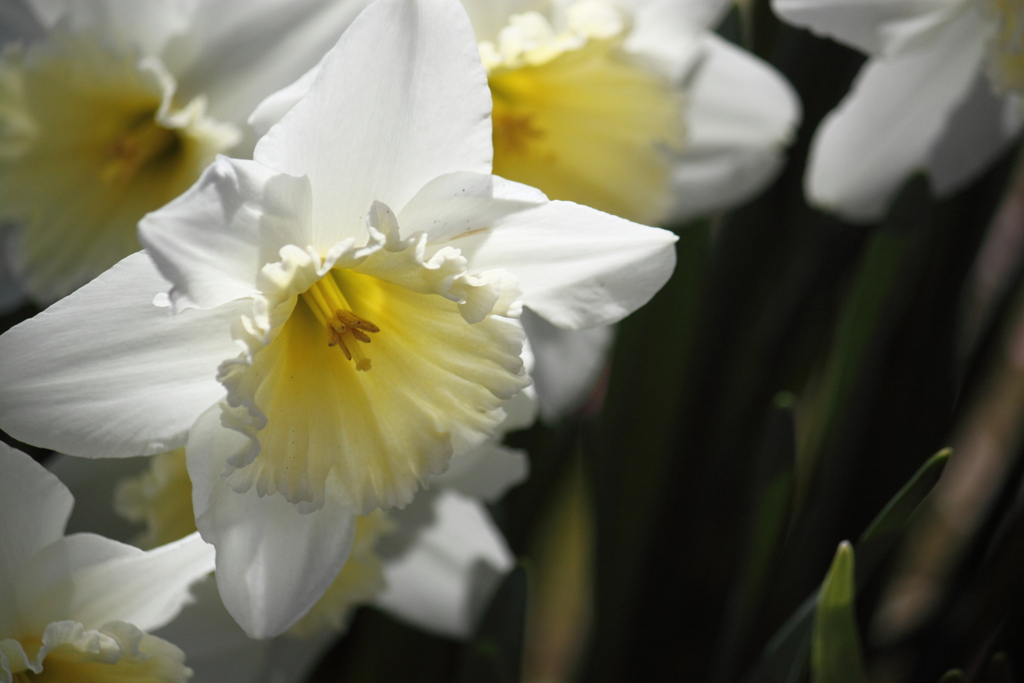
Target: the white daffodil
(634, 107)
(77, 608)
(940, 94)
(326, 325)
(111, 108)
(435, 566)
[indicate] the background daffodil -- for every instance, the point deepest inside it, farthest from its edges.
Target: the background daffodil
(77, 607)
(434, 564)
(110, 109)
(940, 93)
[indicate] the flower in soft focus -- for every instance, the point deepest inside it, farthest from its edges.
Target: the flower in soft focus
(108, 111)
(77, 608)
(634, 107)
(340, 318)
(940, 93)
(434, 564)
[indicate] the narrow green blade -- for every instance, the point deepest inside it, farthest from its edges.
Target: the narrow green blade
(887, 527)
(791, 641)
(835, 643)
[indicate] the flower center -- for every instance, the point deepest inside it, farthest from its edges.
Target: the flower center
(344, 328)
(144, 143)
(1006, 51)
(578, 117)
(87, 126)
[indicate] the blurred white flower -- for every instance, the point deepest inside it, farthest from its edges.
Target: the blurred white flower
(940, 94)
(366, 361)
(634, 107)
(436, 564)
(111, 109)
(76, 608)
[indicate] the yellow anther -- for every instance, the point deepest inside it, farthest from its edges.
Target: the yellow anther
(330, 307)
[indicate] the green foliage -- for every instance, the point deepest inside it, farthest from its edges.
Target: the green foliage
(836, 655)
(785, 655)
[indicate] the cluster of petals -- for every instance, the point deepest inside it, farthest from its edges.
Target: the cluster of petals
(111, 109)
(634, 107)
(939, 94)
(79, 607)
(370, 203)
(434, 564)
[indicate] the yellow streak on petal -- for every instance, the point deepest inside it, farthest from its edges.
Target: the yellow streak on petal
(435, 382)
(593, 125)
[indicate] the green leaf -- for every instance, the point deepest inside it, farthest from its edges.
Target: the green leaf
(772, 495)
(785, 654)
(887, 527)
(835, 642)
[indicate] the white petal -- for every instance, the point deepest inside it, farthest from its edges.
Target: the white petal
(486, 472)
(568, 363)
(239, 51)
(34, 507)
(400, 100)
(92, 484)
(273, 563)
(886, 127)
(146, 25)
(212, 241)
(863, 24)
(671, 32)
(578, 267)
(981, 129)
(220, 652)
(275, 106)
(444, 581)
(742, 114)
(105, 373)
(94, 580)
(521, 410)
(490, 16)
(454, 204)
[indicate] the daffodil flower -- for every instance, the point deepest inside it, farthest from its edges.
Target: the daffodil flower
(940, 94)
(78, 607)
(109, 110)
(435, 566)
(326, 325)
(634, 107)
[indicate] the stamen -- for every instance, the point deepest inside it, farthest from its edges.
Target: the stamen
(513, 132)
(144, 142)
(330, 307)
